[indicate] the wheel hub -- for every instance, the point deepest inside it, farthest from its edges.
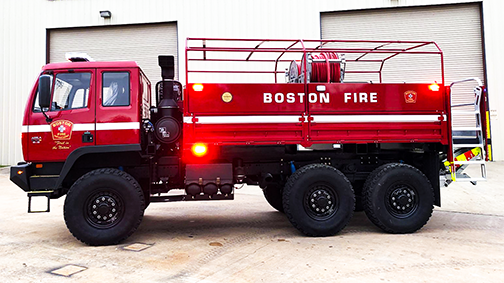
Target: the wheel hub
(321, 202)
(104, 210)
(402, 199)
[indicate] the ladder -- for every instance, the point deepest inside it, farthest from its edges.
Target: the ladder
(468, 143)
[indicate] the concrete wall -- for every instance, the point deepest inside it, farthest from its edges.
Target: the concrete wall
(24, 24)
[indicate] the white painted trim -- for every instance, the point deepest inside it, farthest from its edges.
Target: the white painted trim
(37, 128)
(376, 118)
(84, 127)
(244, 119)
(118, 126)
(316, 119)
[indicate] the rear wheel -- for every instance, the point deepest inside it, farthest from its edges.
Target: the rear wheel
(273, 195)
(318, 200)
(104, 207)
(398, 198)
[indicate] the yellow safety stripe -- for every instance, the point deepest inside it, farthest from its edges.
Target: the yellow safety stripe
(462, 157)
(488, 124)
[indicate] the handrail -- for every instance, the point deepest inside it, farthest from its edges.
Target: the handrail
(383, 50)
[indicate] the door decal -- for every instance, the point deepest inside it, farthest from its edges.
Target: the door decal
(61, 130)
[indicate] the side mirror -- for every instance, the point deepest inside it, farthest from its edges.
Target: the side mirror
(44, 88)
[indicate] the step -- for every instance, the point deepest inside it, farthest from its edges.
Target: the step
(467, 112)
(469, 179)
(463, 129)
(462, 145)
(469, 162)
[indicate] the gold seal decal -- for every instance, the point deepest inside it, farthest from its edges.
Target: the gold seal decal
(410, 96)
(227, 97)
(61, 130)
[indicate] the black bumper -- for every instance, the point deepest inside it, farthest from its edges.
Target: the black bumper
(20, 175)
(27, 178)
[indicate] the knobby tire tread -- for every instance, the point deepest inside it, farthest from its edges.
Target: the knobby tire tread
(288, 187)
(110, 171)
(368, 190)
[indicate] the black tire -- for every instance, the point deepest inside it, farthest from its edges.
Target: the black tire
(321, 187)
(273, 195)
(104, 207)
(398, 198)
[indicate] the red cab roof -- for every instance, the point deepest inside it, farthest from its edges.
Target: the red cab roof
(94, 64)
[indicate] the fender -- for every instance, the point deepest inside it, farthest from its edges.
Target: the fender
(76, 154)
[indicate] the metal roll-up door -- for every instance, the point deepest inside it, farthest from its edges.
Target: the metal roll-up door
(141, 43)
(456, 28)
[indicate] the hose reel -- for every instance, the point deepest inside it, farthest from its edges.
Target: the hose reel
(325, 67)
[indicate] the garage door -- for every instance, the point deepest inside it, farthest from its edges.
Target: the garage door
(140, 43)
(455, 28)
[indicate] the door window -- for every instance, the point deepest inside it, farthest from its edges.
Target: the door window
(115, 89)
(71, 91)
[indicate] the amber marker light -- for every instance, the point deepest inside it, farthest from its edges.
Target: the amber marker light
(434, 87)
(197, 87)
(199, 149)
(20, 172)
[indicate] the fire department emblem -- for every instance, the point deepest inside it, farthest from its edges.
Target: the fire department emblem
(61, 130)
(410, 96)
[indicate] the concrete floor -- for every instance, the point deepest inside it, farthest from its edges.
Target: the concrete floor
(247, 241)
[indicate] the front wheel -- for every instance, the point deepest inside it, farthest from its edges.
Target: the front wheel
(318, 200)
(104, 207)
(398, 198)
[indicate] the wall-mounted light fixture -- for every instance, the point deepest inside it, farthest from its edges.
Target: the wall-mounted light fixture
(105, 14)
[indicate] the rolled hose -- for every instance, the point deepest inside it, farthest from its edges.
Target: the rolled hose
(325, 71)
(318, 72)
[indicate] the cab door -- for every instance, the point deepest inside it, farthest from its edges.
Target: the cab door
(118, 111)
(71, 123)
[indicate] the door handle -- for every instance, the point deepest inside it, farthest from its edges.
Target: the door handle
(87, 137)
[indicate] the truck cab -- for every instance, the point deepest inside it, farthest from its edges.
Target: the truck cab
(94, 108)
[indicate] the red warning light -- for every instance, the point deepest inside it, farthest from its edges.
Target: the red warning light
(199, 149)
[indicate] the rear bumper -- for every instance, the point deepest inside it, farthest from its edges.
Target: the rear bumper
(20, 175)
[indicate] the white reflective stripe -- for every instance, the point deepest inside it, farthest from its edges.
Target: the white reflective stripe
(316, 118)
(244, 119)
(37, 128)
(84, 127)
(375, 118)
(118, 126)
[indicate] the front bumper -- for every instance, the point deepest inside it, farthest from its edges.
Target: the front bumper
(20, 175)
(25, 176)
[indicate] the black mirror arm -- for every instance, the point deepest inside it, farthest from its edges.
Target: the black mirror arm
(47, 118)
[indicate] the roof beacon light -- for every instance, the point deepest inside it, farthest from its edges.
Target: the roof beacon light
(78, 57)
(199, 149)
(434, 87)
(197, 87)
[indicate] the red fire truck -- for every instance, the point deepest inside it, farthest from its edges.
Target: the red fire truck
(324, 127)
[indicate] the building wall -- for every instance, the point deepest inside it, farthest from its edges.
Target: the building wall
(24, 24)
